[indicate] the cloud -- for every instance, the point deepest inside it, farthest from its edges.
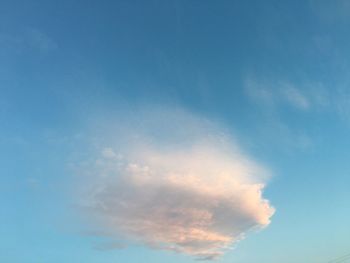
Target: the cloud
(27, 40)
(189, 189)
(39, 40)
(331, 11)
(278, 93)
(259, 91)
(294, 96)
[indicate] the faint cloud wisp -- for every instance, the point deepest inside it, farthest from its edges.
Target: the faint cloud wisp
(276, 93)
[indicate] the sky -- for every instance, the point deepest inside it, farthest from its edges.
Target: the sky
(174, 131)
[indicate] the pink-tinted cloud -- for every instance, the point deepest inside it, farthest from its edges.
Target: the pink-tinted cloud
(197, 198)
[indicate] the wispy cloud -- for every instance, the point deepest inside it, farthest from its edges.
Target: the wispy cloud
(282, 93)
(294, 96)
(189, 189)
(331, 10)
(39, 40)
(26, 40)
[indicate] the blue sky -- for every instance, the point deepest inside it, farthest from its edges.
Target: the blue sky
(79, 79)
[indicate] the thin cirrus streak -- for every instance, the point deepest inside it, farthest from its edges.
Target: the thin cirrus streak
(196, 198)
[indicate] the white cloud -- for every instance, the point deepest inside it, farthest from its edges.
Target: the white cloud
(189, 189)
